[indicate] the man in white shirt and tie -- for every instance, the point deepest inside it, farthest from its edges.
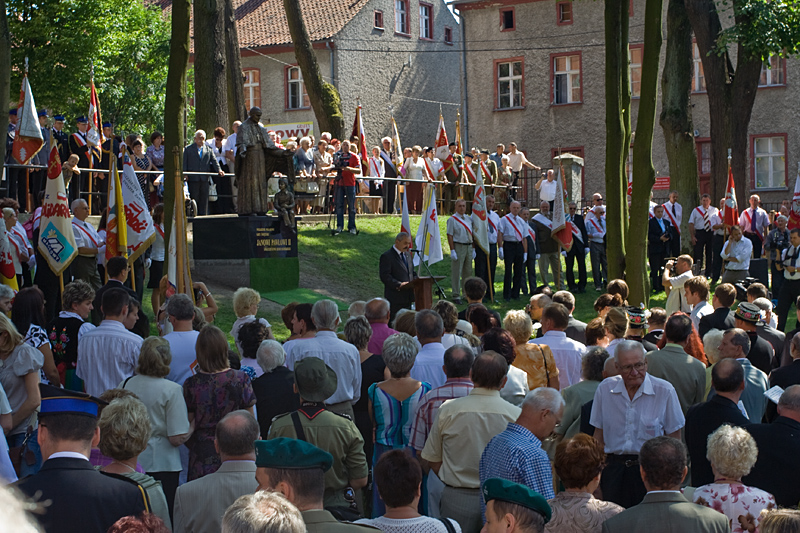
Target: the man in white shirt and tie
(459, 237)
(702, 233)
(84, 266)
(674, 213)
(596, 230)
(513, 249)
(755, 223)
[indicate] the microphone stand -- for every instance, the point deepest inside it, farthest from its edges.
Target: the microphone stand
(439, 290)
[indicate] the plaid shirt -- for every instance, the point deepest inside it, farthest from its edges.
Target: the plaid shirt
(428, 405)
(516, 455)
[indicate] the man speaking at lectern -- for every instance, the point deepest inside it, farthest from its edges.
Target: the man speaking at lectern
(396, 271)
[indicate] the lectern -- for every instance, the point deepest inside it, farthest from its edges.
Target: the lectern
(423, 291)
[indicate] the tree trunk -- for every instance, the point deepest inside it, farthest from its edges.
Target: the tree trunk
(676, 112)
(210, 66)
(743, 95)
(617, 132)
(5, 77)
(644, 173)
(324, 97)
(236, 102)
(175, 102)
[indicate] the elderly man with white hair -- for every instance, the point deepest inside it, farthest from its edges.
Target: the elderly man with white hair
(341, 356)
(198, 157)
(629, 409)
(274, 389)
(84, 266)
(516, 454)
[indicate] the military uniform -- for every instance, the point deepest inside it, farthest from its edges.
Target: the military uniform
(321, 521)
(62, 141)
(334, 433)
(452, 174)
(470, 173)
(79, 145)
(491, 179)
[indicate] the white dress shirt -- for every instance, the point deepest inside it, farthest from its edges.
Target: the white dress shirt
(595, 228)
(512, 228)
(428, 364)
(341, 356)
(493, 221)
(457, 227)
(699, 311)
(85, 235)
(697, 217)
(106, 356)
(790, 257)
(675, 214)
(547, 190)
(742, 251)
(568, 354)
(754, 220)
(627, 423)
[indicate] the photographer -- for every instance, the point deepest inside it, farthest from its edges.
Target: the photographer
(347, 166)
(673, 281)
(736, 255)
(658, 236)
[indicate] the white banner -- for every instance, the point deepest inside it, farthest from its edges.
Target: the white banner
(141, 230)
(299, 129)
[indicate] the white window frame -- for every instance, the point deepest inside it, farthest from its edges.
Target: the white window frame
(300, 88)
(425, 21)
(770, 70)
(401, 19)
(509, 82)
(250, 87)
(569, 76)
(775, 163)
(635, 66)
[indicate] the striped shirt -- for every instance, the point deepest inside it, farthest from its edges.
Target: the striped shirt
(429, 404)
(393, 418)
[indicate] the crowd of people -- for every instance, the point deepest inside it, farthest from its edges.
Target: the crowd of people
(402, 420)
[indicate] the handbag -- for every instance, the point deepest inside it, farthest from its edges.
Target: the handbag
(212, 190)
(22, 453)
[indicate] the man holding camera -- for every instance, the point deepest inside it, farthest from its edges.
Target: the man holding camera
(658, 248)
(347, 166)
(677, 272)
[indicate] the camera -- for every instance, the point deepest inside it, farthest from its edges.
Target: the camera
(671, 268)
(741, 288)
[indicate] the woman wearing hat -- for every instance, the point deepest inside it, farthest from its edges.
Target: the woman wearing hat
(637, 322)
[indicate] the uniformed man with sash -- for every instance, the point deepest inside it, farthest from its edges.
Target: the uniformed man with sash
(459, 237)
(469, 178)
(513, 249)
(452, 173)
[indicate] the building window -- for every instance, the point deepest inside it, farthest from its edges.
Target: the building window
(401, 22)
(773, 72)
(378, 20)
(448, 35)
(566, 79)
(252, 88)
(769, 161)
(635, 55)
(296, 97)
(425, 21)
(507, 22)
(564, 13)
(698, 79)
(704, 164)
(510, 83)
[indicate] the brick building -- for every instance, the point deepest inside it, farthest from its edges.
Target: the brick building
(535, 75)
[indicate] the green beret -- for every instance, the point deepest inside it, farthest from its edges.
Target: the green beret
(508, 491)
(291, 453)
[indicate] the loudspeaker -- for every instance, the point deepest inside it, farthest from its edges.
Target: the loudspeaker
(759, 270)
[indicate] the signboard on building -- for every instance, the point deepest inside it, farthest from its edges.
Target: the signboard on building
(300, 129)
(662, 183)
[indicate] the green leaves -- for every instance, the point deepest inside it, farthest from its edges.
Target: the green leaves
(762, 27)
(127, 42)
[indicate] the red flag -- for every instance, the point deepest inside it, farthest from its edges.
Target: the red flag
(730, 213)
(95, 133)
(28, 138)
(794, 214)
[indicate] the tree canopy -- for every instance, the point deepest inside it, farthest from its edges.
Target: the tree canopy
(127, 42)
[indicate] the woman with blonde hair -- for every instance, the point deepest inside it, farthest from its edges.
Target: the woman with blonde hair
(732, 452)
(616, 324)
(169, 419)
(535, 359)
(780, 521)
(245, 305)
(124, 434)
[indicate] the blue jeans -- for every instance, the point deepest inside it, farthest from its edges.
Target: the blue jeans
(33, 445)
(350, 192)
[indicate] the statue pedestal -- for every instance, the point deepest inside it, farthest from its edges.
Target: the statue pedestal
(252, 251)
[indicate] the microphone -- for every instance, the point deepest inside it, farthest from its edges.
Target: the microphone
(415, 250)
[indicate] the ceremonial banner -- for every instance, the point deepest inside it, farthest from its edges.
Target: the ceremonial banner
(562, 230)
(441, 149)
(429, 238)
(730, 213)
(8, 275)
(361, 142)
(95, 133)
(141, 230)
(116, 226)
(398, 149)
(28, 138)
(459, 148)
(794, 214)
(405, 222)
(480, 222)
(56, 239)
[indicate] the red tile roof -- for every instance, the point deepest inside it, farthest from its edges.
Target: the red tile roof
(263, 22)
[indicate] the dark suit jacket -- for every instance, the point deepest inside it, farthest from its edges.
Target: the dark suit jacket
(194, 162)
(654, 336)
(62, 142)
(576, 330)
(274, 396)
(142, 326)
(721, 318)
(701, 421)
(81, 151)
(783, 377)
(761, 353)
(655, 245)
(667, 512)
(786, 356)
(581, 225)
(83, 499)
(778, 466)
(392, 273)
(773, 336)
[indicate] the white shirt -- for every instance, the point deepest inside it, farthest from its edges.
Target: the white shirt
(241, 321)
(85, 328)
(493, 221)
(547, 190)
(219, 154)
(451, 339)
(596, 228)
(791, 257)
(676, 217)
(158, 251)
(376, 168)
(516, 387)
(516, 160)
(699, 311)
(759, 221)
(512, 228)
(85, 235)
(612, 346)
(229, 144)
(106, 356)
(341, 356)
(568, 354)
(696, 218)
(742, 251)
(654, 411)
(457, 229)
(428, 364)
(184, 356)
(676, 301)
(716, 219)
